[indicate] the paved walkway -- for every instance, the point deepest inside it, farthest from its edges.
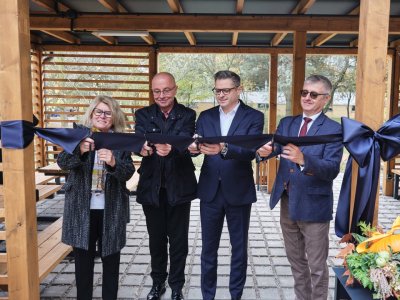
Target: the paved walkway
(268, 275)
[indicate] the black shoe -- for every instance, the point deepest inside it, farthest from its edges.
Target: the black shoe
(237, 298)
(177, 295)
(156, 291)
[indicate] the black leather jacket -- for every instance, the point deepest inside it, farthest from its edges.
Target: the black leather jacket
(174, 172)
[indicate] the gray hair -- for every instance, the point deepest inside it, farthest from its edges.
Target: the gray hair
(320, 78)
(117, 115)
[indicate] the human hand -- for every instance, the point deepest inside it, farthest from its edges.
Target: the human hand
(107, 156)
(265, 150)
(211, 149)
(293, 153)
(86, 145)
(163, 149)
(146, 150)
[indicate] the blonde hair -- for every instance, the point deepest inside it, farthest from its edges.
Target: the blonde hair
(117, 115)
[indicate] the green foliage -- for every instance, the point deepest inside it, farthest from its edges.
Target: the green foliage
(359, 265)
(366, 228)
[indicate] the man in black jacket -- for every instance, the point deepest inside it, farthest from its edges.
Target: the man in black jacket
(166, 185)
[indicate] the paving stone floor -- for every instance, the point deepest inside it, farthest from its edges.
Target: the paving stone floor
(268, 273)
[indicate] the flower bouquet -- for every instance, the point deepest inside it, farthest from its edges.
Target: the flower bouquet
(373, 259)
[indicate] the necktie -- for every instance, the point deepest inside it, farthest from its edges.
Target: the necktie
(303, 130)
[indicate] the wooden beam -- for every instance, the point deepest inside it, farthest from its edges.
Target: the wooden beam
(108, 39)
(64, 36)
(176, 8)
(235, 37)
(113, 6)
(51, 5)
(239, 6)
(18, 165)
(301, 8)
(371, 65)
(354, 43)
(191, 38)
(149, 39)
(323, 38)
(299, 70)
(205, 23)
(272, 117)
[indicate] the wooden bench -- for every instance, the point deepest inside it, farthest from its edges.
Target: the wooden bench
(50, 248)
(41, 178)
(44, 191)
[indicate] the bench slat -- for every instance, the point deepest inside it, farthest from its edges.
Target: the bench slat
(46, 190)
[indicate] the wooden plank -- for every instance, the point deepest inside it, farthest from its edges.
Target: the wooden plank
(59, 88)
(90, 98)
(91, 55)
(64, 36)
(95, 81)
(88, 72)
(272, 117)
(299, 66)
(153, 68)
(18, 165)
(371, 65)
(205, 23)
(47, 190)
(51, 63)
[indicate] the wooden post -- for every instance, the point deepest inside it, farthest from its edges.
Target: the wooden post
(299, 67)
(153, 69)
(273, 95)
(18, 165)
(387, 185)
(371, 66)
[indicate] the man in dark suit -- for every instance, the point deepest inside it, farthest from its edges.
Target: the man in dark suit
(167, 184)
(226, 184)
(304, 187)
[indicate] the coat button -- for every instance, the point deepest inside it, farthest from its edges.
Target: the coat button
(291, 170)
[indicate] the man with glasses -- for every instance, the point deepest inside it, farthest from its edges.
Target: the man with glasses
(304, 187)
(226, 185)
(167, 185)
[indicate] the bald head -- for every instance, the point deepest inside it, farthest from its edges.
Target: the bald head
(164, 76)
(164, 90)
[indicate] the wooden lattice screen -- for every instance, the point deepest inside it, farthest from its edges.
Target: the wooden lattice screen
(72, 79)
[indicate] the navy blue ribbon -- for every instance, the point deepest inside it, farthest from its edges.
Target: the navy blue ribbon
(19, 134)
(365, 147)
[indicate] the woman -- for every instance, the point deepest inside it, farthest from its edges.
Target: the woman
(96, 205)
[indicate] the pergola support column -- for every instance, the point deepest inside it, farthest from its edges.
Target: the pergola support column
(18, 165)
(273, 95)
(371, 67)
(299, 69)
(153, 69)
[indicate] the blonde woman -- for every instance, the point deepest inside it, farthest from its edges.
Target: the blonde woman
(96, 208)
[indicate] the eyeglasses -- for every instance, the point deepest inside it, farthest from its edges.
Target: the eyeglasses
(223, 91)
(313, 95)
(98, 112)
(166, 91)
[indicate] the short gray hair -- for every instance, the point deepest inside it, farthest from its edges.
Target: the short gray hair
(320, 78)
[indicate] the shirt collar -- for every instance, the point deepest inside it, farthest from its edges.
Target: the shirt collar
(313, 117)
(232, 112)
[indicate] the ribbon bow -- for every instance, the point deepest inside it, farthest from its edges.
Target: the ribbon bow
(365, 147)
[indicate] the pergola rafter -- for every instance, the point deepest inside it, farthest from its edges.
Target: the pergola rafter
(177, 9)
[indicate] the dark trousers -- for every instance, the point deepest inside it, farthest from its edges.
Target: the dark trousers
(212, 221)
(165, 224)
(84, 263)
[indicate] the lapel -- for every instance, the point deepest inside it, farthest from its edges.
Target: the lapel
(240, 113)
(316, 125)
(216, 121)
(295, 126)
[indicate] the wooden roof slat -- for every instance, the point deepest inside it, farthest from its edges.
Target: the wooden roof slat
(239, 6)
(323, 38)
(149, 39)
(301, 8)
(78, 64)
(176, 8)
(235, 37)
(354, 43)
(52, 5)
(65, 36)
(108, 39)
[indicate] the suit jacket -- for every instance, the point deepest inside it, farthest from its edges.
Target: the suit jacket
(234, 170)
(310, 189)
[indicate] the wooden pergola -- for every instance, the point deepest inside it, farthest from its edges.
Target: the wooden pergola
(368, 28)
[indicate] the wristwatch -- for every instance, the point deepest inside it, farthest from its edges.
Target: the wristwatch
(224, 150)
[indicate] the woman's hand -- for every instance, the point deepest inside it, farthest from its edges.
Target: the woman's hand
(107, 156)
(86, 145)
